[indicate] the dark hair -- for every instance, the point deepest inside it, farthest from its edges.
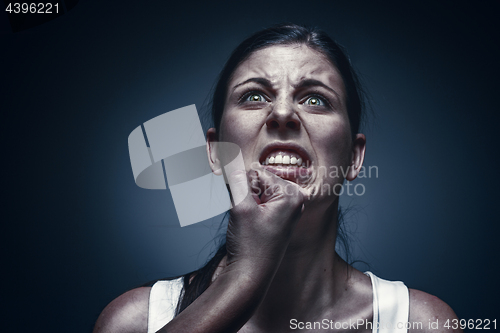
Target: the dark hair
(197, 282)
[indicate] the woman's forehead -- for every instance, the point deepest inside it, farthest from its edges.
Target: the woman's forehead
(288, 64)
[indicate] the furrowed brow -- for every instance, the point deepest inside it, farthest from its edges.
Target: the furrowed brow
(314, 83)
(260, 80)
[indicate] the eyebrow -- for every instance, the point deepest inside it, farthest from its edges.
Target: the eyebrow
(260, 80)
(312, 83)
(303, 84)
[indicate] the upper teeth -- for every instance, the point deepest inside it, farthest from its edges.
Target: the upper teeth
(285, 159)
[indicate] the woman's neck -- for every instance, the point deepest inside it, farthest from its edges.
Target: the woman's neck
(311, 276)
(312, 282)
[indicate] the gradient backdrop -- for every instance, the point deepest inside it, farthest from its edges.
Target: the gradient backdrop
(77, 231)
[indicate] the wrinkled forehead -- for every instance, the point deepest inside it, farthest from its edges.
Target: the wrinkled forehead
(288, 65)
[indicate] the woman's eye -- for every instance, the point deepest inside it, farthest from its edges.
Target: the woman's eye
(315, 101)
(255, 98)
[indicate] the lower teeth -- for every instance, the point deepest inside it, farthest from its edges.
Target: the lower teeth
(287, 165)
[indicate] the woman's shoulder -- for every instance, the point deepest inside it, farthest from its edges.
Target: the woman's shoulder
(426, 313)
(430, 312)
(128, 313)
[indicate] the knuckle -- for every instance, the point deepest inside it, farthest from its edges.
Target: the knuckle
(238, 176)
(242, 209)
(296, 198)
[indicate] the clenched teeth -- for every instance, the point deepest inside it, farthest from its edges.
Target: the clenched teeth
(285, 159)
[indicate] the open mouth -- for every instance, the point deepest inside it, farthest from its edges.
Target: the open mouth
(288, 161)
(284, 158)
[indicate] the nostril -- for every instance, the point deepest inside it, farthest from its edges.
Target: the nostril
(277, 124)
(273, 124)
(292, 125)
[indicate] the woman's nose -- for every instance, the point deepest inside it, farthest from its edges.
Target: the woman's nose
(283, 117)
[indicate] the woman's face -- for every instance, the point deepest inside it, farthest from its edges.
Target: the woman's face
(286, 110)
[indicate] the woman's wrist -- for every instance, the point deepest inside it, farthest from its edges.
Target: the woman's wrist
(226, 305)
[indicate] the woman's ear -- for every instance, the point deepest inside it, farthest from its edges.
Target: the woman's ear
(358, 156)
(212, 152)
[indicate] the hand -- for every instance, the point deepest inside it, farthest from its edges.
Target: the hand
(262, 221)
(259, 230)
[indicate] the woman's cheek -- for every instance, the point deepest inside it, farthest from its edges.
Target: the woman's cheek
(240, 127)
(335, 153)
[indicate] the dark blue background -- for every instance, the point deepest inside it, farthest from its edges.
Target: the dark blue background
(77, 231)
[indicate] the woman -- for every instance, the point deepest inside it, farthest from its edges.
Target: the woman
(290, 100)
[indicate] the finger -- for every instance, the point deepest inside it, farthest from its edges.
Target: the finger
(237, 177)
(273, 186)
(238, 183)
(255, 186)
(306, 192)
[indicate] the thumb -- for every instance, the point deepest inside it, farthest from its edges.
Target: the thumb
(238, 184)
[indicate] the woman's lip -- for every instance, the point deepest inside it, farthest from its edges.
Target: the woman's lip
(294, 174)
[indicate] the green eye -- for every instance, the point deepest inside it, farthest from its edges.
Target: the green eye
(314, 101)
(255, 98)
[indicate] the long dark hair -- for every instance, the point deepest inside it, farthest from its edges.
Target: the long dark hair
(195, 283)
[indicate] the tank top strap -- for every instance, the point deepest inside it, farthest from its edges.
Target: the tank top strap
(391, 305)
(163, 299)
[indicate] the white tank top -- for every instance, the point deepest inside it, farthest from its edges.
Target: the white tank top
(390, 304)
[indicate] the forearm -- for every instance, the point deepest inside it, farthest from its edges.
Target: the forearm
(257, 237)
(226, 305)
